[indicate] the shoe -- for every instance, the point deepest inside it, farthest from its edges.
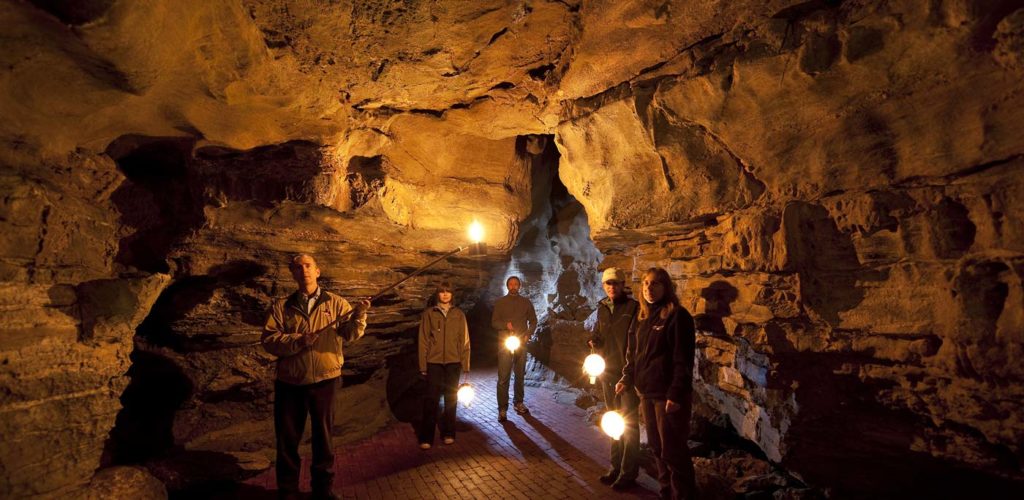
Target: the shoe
(502, 415)
(624, 484)
(610, 477)
(522, 409)
(329, 495)
(424, 446)
(449, 440)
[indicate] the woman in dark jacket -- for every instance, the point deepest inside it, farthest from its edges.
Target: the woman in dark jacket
(659, 366)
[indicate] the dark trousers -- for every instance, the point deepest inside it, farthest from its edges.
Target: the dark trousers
(667, 433)
(626, 449)
(507, 363)
(441, 380)
(291, 405)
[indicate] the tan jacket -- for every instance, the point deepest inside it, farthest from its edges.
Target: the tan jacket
(282, 337)
(443, 339)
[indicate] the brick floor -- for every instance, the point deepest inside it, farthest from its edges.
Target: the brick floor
(551, 453)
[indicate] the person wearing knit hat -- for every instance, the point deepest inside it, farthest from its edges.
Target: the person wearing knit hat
(616, 313)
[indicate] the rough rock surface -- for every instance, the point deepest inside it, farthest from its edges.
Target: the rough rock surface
(831, 183)
(831, 188)
(129, 483)
(64, 353)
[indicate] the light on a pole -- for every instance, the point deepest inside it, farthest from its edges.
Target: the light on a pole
(512, 343)
(613, 424)
(466, 394)
(593, 366)
(476, 232)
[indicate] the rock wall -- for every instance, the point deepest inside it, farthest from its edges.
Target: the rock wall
(831, 187)
(830, 182)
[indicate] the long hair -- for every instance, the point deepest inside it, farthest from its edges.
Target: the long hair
(444, 286)
(670, 299)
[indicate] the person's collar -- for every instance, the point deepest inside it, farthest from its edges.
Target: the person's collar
(314, 295)
(621, 300)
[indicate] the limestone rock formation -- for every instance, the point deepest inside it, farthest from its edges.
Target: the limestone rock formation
(831, 183)
(65, 349)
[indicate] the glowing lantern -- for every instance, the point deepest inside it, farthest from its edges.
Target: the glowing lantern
(613, 424)
(476, 232)
(512, 343)
(593, 366)
(466, 394)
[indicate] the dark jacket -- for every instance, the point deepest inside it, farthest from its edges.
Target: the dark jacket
(659, 357)
(610, 332)
(443, 338)
(519, 311)
(282, 336)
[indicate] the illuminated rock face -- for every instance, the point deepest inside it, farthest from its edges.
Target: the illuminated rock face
(832, 184)
(840, 223)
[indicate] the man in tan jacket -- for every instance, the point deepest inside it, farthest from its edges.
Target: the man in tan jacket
(308, 372)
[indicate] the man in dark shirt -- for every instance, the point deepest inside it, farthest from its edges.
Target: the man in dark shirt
(513, 316)
(615, 315)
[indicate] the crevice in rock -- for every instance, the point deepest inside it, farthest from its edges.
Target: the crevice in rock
(932, 181)
(540, 73)
(156, 201)
(557, 261)
(75, 12)
(494, 38)
(365, 177)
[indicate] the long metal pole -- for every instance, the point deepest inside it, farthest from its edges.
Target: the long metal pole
(390, 287)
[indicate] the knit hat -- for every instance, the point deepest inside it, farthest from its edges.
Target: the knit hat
(613, 274)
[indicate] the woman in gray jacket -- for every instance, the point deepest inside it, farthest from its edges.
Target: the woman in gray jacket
(443, 356)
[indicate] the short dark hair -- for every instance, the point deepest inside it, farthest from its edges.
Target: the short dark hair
(510, 278)
(445, 286)
(294, 261)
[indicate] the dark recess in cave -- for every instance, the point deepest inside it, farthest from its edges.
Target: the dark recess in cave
(156, 200)
(143, 428)
(75, 11)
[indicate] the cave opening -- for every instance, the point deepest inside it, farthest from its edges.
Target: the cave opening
(557, 261)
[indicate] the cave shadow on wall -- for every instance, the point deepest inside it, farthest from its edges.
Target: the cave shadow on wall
(158, 386)
(156, 200)
(718, 298)
(406, 388)
(826, 261)
(483, 338)
(144, 426)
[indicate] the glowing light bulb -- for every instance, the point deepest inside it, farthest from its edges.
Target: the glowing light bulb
(466, 394)
(512, 343)
(476, 232)
(593, 365)
(613, 424)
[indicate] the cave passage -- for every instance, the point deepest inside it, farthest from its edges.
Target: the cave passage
(553, 255)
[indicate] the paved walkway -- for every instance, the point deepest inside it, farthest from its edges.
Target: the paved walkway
(551, 453)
